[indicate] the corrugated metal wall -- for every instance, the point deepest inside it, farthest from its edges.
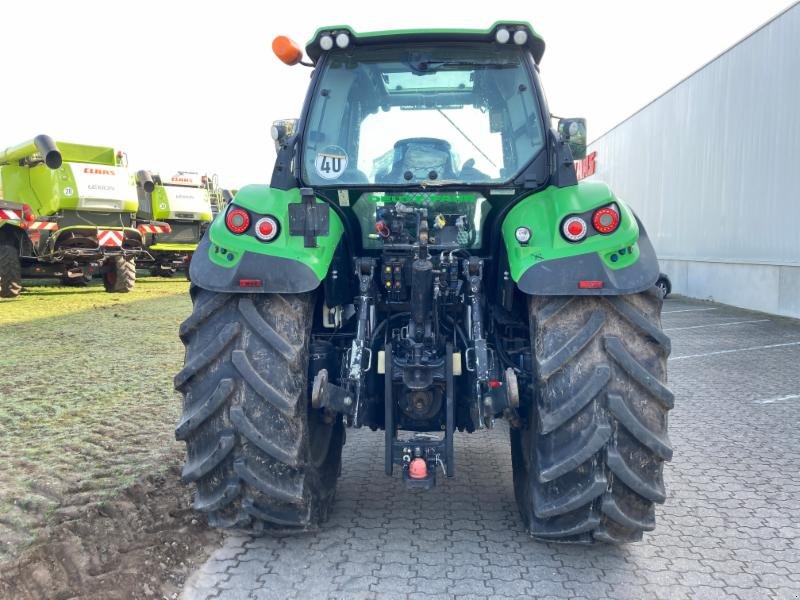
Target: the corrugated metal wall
(712, 167)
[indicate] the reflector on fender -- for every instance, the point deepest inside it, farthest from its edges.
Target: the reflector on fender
(250, 283)
(590, 285)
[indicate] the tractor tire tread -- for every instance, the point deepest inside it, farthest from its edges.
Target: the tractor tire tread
(246, 430)
(204, 409)
(564, 354)
(589, 466)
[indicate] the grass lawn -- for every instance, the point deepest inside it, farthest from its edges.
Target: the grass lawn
(86, 398)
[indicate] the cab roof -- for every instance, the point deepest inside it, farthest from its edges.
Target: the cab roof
(535, 43)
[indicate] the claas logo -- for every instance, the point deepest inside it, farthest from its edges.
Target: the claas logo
(182, 180)
(96, 171)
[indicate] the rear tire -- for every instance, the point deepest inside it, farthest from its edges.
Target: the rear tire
(589, 465)
(10, 272)
(262, 458)
(120, 275)
(664, 286)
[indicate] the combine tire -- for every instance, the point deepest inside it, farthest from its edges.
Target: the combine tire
(589, 465)
(161, 271)
(120, 275)
(10, 272)
(262, 458)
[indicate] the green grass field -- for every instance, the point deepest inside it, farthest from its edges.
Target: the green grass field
(86, 398)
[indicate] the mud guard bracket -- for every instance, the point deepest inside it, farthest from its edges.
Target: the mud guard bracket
(309, 218)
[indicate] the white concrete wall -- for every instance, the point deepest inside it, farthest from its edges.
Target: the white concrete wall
(768, 288)
(711, 168)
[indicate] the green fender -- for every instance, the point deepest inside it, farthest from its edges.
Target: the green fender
(623, 262)
(227, 262)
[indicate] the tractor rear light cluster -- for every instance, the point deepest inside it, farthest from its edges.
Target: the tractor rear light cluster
(237, 221)
(523, 235)
(266, 229)
(605, 220)
(574, 229)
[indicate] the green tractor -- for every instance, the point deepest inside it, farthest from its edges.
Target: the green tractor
(424, 261)
(67, 211)
(174, 215)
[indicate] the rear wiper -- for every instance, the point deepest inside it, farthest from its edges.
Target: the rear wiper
(431, 66)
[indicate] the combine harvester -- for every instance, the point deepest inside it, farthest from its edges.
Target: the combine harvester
(67, 211)
(186, 203)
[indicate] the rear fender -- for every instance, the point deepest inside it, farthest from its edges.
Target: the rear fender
(622, 262)
(227, 262)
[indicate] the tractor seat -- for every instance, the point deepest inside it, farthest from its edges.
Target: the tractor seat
(420, 156)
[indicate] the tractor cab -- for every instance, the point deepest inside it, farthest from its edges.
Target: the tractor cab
(394, 119)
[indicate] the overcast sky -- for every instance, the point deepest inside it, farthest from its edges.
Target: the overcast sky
(194, 85)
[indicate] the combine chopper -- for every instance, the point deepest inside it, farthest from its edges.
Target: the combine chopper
(425, 262)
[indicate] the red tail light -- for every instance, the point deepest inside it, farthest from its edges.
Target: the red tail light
(237, 220)
(605, 220)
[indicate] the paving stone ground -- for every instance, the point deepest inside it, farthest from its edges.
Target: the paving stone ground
(730, 528)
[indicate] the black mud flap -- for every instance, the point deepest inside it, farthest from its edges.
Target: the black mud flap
(560, 277)
(255, 273)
